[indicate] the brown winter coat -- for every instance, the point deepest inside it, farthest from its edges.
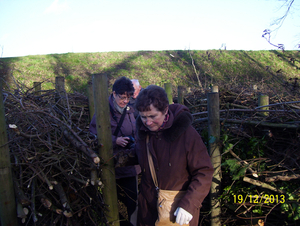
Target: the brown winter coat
(181, 161)
(127, 128)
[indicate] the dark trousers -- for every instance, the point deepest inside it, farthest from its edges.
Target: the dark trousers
(127, 194)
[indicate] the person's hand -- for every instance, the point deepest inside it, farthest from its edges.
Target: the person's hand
(122, 141)
(182, 216)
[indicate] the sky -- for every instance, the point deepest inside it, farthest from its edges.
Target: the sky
(39, 27)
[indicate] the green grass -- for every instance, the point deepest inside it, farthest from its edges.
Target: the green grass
(223, 68)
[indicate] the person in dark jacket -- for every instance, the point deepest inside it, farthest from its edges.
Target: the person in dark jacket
(181, 160)
(137, 88)
(126, 177)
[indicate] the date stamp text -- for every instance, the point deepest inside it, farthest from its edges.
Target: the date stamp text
(258, 199)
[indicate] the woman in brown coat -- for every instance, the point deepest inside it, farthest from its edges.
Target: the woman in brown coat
(181, 160)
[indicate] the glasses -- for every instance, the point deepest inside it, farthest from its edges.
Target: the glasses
(124, 97)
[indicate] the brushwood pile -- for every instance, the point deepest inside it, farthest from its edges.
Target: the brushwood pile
(57, 171)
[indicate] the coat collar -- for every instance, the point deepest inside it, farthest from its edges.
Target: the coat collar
(176, 125)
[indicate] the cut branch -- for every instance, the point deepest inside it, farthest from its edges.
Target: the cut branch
(63, 199)
(282, 178)
(82, 147)
(254, 173)
(261, 184)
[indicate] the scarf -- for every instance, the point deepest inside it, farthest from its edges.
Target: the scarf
(117, 107)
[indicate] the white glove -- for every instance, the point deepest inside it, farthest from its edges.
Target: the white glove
(183, 216)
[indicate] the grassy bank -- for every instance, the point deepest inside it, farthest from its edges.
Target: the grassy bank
(274, 68)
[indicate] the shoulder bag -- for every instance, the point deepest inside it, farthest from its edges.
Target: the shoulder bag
(167, 201)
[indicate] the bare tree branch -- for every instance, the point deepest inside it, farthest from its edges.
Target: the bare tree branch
(267, 36)
(278, 22)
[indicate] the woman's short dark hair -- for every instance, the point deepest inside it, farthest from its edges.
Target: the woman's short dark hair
(123, 85)
(154, 95)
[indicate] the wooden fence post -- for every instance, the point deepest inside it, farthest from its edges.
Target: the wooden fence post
(262, 101)
(8, 213)
(181, 95)
(168, 89)
(60, 92)
(91, 100)
(214, 151)
(100, 91)
(37, 88)
(215, 89)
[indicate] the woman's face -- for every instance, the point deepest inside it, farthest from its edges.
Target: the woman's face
(121, 100)
(154, 118)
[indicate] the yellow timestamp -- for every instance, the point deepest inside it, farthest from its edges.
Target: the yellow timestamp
(258, 199)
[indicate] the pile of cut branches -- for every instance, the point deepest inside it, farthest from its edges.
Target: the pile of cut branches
(260, 157)
(55, 168)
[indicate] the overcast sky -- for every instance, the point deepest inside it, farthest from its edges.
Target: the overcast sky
(34, 27)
